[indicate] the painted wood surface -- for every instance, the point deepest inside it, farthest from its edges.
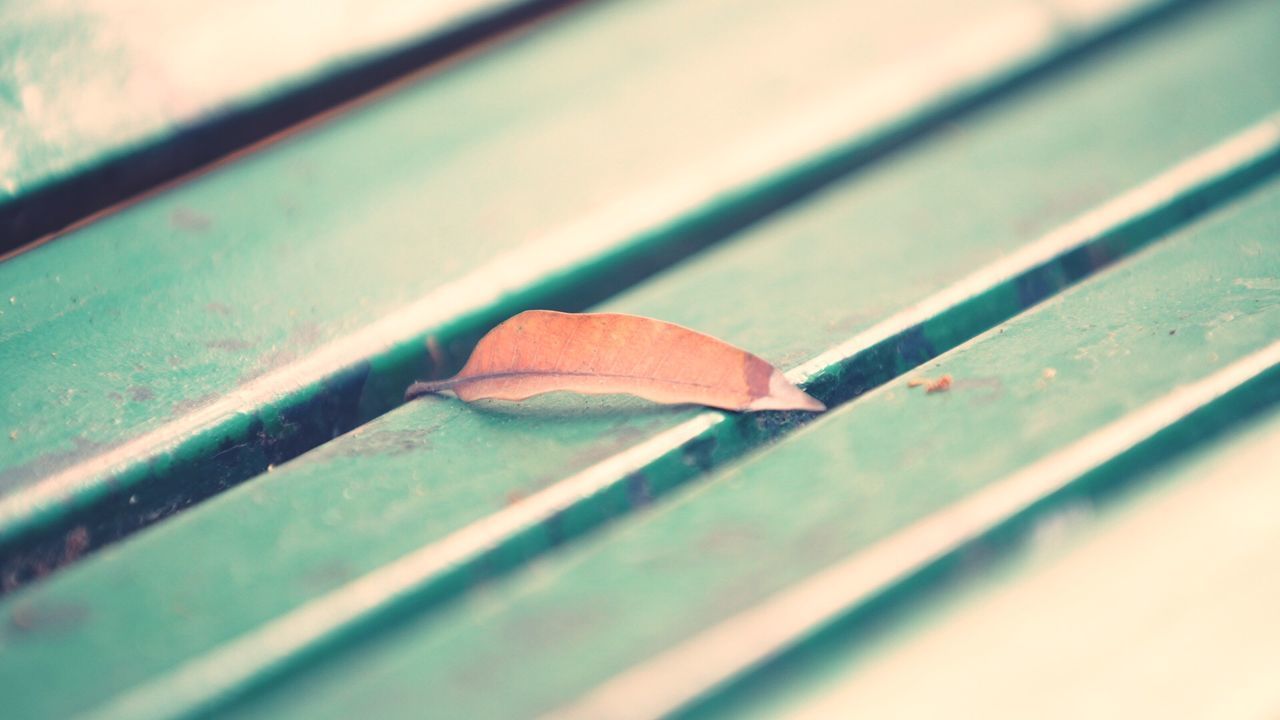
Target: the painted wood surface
(1158, 603)
(265, 307)
(638, 620)
(368, 528)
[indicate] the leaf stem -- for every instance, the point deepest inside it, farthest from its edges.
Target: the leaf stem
(420, 388)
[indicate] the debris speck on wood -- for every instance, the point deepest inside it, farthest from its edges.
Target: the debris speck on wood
(931, 385)
(942, 384)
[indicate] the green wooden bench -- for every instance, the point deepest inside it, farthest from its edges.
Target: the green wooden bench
(214, 502)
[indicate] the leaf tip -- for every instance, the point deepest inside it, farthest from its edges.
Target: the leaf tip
(783, 395)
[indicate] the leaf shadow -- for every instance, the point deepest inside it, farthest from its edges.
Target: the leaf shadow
(569, 407)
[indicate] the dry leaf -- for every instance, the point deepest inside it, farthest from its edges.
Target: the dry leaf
(540, 351)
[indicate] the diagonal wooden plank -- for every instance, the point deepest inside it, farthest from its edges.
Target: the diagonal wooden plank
(1157, 605)
(264, 308)
(664, 607)
(416, 477)
(107, 99)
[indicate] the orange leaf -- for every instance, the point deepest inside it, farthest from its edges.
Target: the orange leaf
(540, 351)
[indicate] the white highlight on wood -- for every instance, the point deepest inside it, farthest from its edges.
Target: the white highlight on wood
(688, 671)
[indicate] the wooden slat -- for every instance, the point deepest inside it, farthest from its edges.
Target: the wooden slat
(103, 100)
(372, 522)
(1160, 606)
(649, 615)
(175, 348)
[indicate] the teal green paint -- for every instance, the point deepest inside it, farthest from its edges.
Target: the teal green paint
(427, 469)
(554, 630)
(144, 316)
(101, 101)
(1199, 516)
